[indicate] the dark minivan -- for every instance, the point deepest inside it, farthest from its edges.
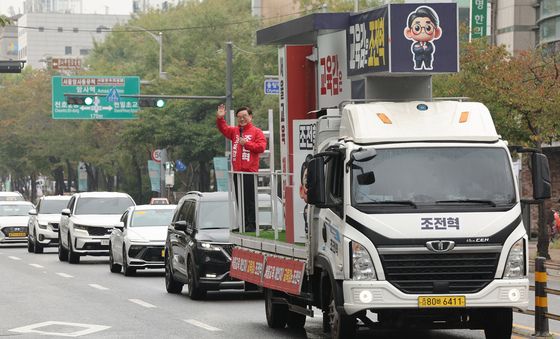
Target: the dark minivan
(197, 248)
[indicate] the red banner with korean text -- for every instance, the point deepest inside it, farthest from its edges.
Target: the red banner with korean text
(247, 265)
(283, 274)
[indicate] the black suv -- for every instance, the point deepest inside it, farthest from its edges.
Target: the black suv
(197, 248)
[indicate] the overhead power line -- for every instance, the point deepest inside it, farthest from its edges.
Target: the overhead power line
(102, 28)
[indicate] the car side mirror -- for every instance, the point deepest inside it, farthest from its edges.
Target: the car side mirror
(180, 225)
(32, 212)
(540, 173)
(65, 212)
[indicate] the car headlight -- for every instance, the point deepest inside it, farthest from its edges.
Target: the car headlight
(42, 225)
(206, 246)
(515, 264)
(80, 227)
(362, 265)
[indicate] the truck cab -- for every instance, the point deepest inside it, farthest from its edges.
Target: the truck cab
(416, 217)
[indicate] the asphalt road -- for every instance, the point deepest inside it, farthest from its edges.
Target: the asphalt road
(43, 297)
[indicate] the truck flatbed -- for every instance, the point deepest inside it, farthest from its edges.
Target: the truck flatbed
(270, 246)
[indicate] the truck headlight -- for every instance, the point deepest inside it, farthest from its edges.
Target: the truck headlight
(362, 265)
(515, 264)
(42, 226)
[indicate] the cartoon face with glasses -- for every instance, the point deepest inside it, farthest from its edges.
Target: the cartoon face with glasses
(423, 28)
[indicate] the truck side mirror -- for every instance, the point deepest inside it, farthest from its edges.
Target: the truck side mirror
(316, 194)
(65, 212)
(540, 173)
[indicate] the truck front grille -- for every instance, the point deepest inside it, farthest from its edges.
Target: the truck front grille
(445, 273)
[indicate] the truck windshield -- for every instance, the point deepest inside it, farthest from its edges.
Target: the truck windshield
(435, 177)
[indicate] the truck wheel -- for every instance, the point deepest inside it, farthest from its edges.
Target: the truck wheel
(195, 291)
(62, 252)
(73, 257)
(115, 268)
(295, 320)
(171, 285)
(499, 323)
(276, 314)
(341, 325)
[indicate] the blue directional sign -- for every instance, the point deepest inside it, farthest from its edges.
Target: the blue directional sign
(113, 95)
(272, 86)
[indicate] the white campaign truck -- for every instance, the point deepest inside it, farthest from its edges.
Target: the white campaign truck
(414, 215)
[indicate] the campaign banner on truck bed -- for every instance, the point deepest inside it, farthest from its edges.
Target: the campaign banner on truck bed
(283, 274)
(247, 265)
(404, 38)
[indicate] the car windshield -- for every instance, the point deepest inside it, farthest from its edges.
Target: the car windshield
(155, 217)
(213, 214)
(436, 177)
(14, 210)
(52, 206)
(103, 205)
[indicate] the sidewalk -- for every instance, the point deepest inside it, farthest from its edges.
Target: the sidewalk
(552, 265)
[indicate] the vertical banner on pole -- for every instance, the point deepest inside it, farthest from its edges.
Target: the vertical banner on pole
(221, 173)
(82, 177)
(479, 18)
(154, 173)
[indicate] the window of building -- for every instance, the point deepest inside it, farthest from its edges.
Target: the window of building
(41, 29)
(75, 30)
(60, 29)
(68, 50)
(84, 51)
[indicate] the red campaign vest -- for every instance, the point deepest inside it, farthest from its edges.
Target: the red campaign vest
(244, 158)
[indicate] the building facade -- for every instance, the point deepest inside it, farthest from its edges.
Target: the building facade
(55, 35)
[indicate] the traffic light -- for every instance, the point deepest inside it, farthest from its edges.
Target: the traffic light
(79, 100)
(151, 102)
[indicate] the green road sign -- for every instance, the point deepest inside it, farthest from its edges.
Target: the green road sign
(479, 18)
(99, 88)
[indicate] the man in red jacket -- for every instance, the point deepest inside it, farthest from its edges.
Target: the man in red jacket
(248, 142)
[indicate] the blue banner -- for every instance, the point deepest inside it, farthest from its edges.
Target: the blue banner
(155, 175)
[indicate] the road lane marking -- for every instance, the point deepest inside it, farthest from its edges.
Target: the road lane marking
(99, 287)
(142, 303)
(36, 265)
(64, 275)
(202, 325)
(14, 258)
(80, 329)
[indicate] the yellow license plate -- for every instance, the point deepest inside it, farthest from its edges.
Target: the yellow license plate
(447, 301)
(17, 234)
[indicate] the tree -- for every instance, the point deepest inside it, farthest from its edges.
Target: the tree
(4, 21)
(522, 92)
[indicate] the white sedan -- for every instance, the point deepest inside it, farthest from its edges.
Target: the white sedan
(139, 242)
(14, 218)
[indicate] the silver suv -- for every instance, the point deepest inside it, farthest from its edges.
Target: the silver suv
(87, 223)
(43, 222)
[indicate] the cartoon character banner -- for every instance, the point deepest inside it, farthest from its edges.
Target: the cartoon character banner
(424, 38)
(404, 38)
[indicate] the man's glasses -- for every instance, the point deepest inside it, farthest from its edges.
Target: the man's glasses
(416, 29)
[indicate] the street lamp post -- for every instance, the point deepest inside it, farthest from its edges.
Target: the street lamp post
(159, 39)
